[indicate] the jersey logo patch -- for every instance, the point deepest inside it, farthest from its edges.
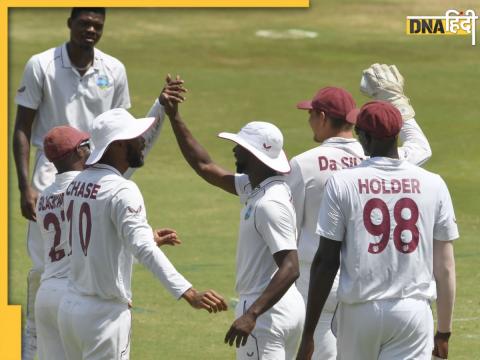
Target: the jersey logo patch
(22, 89)
(248, 212)
(102, 82)
(133, 211)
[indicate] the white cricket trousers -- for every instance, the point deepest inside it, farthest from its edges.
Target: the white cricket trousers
(94, 329)
(47, 302)
(397, 329)
(277, 332)
(323, 338)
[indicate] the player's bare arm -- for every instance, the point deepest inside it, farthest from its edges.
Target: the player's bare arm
(195, 154)
(21, 151)
(166, 236)
(444, 273)
(288, 272)
(322, 274)
(208, 300)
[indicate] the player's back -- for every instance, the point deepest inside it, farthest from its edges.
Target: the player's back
(392, 211)
(53, 223)
(310, 172)
(101, 263)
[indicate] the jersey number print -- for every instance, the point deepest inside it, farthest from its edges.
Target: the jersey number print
(382, 228)
(84, 216)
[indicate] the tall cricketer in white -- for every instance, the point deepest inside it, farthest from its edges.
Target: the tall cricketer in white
(393, 224)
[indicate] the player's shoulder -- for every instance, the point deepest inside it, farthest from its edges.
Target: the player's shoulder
(108, 60)
(46, 57)
(421, 172)
(275, 189)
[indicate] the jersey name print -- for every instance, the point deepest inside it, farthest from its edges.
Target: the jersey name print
(82, 189)
(392, 186)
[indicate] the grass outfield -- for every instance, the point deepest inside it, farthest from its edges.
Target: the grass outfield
(234, 77)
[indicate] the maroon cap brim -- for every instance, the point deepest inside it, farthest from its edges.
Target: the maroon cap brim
(352, 116)
(305, 105)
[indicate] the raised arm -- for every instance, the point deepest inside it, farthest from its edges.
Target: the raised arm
(322, 274)
(384, 82)
(195, 154)
(21, 152)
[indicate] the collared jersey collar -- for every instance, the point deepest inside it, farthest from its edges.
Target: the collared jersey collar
(339, 140)
(66, 176)
(105, 167)
(382, 161)
(267, 182)
(68, 64)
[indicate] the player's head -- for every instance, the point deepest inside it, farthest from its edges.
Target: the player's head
(86, 26)
(117, 139)
(259, 144)
(67, 147)
(328, 112)
(378, 124)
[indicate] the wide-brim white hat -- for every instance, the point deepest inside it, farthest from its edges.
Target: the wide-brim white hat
(265, 141)
(113, 125)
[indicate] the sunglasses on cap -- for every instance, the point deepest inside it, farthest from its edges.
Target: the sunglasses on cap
(84, 143)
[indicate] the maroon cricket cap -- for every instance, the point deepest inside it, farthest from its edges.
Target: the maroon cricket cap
(380, 119)
(62, 140)
(333, 101)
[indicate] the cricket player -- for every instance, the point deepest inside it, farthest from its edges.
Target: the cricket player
(393, 225)
(70, 84)
(68, 149)
(270, 311)
(339, 149)
(108, 229)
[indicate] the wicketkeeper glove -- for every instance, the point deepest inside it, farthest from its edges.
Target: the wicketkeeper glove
(384, 82)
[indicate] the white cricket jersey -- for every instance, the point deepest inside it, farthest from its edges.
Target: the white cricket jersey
(53, 87)
(109, 228)
(52, 221)
(307, 179)
(311, 170)
(387, 212)
(267, 226)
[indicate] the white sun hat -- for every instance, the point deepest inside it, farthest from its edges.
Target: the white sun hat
(112, 125)
(264, 141)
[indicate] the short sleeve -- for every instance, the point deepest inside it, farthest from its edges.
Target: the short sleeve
(331, 220)
(297, 186)
(276, 224)
(121, 98)
(30, 92)
(445, 227)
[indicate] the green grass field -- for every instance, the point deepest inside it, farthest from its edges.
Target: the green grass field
(234, 77)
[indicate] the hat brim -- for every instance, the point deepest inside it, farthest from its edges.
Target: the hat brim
(305, 105)
(279, 164)
(137, 128)
(352, 116)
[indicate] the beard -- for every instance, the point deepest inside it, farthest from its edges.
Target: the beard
(240, 168)
(134, 157)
